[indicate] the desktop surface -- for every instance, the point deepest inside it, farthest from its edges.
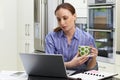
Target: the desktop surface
(15, 75)
(51, 78)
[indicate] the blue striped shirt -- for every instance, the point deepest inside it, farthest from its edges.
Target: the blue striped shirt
(56, 43)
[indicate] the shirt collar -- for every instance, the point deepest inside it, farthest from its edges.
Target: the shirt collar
(75, 34)
(62, 33)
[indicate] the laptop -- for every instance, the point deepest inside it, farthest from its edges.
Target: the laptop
(38, 64)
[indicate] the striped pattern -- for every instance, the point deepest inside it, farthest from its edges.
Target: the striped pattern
(56, 43)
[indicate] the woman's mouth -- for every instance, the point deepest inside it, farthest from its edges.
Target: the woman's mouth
(63, 27)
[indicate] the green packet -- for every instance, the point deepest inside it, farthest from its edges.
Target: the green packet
(84, 50)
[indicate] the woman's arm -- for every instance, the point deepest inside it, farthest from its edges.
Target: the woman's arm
(49, 44)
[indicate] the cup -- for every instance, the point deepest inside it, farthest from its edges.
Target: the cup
(84, 50)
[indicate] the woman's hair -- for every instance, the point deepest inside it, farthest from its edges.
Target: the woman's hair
(67, 6)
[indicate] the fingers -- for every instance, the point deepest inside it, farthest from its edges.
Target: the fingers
(77, 55)
(94, 52)
(82, 59)
(77, 61)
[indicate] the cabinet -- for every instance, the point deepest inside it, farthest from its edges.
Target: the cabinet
(117, 60)
(117, 67)
(80, 6)
(117, 25)
(25, 28)
(117, 38)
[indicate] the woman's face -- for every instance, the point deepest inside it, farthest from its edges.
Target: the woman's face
(66, 20)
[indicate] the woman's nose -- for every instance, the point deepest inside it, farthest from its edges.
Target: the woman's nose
(62, 22)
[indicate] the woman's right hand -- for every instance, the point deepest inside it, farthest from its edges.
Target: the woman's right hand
(77, 60)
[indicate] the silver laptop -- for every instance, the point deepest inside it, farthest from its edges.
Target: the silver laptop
(44, 65)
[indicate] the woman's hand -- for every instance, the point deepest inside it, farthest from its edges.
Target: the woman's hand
(94, 52)
(93, 55)
(77, 61)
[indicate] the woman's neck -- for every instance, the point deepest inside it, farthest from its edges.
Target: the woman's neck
(69, 34)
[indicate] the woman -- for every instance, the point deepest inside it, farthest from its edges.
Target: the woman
(66, 38)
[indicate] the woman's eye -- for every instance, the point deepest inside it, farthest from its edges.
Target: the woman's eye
(58, 19)
(65, 18)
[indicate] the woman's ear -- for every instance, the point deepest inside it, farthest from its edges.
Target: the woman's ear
(75, 16)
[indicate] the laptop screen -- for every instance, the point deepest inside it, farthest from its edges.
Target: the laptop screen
(43, 64)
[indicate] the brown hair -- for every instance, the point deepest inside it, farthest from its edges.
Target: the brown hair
(67, 6)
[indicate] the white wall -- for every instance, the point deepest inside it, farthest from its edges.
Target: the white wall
(118, 24)
(8, 34)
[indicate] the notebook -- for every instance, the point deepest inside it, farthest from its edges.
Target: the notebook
(94, 75)
(44, 65)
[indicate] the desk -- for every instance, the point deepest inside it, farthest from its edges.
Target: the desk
(14, 75)
(48, 78)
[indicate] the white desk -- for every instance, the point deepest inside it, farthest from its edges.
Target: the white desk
(13, 75)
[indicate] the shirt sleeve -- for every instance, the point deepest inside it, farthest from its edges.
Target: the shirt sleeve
(92, 41)
(49, 44)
